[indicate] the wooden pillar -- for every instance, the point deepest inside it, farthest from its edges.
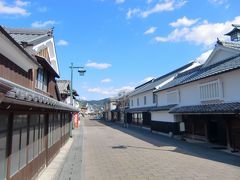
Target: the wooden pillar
(228, 123)
(9, 144)
(206, 129)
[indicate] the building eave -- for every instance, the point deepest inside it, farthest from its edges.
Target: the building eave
(24, 96)
(31, 60)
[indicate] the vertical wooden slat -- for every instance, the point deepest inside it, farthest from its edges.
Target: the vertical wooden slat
(46, 138)
(9, 144)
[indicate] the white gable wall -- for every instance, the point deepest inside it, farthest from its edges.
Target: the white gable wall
(220, 53)
(51, 50)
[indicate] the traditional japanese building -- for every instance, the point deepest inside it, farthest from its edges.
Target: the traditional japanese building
(109, 106)
(64, 90)
(34, 123)
(206, 98)
(143, 100)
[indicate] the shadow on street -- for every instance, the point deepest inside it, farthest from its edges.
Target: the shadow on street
(161, 142)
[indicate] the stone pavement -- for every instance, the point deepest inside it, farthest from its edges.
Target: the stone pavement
(113, 152)
(102, 151)
(67, 165)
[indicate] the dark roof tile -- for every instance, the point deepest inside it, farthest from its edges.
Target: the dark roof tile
(233, 107)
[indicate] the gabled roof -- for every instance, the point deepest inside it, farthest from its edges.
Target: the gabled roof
(141, 85)
(151, 85)
(24, 51)
(205, 70)
(201, 72)
(64, 87)
(236, 28)
(29, 36)
(233, 45)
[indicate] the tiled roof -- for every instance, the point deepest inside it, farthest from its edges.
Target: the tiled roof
(155, 82)
(234, 45)
(233, 107)
(141, 109)
(201, 72)
(20, 95)
(163, 108)
(27, 51)
(30, 36)
(63, 86)
(236, 28)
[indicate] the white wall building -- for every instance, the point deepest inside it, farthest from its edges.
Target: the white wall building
(142, 100)
(206, 98)
(110, 105)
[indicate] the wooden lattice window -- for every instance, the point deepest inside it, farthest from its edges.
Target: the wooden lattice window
(44, 53)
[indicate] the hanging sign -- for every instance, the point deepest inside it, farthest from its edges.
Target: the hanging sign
(76, 120)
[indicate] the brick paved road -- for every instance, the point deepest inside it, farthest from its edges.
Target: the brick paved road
(113, 152)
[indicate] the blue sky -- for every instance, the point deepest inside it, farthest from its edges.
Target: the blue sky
(121, 43)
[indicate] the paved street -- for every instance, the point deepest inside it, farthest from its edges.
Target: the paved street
(102, 151)
(113, 152)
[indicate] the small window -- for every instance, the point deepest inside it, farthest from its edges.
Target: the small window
(155, 98)
(210, 91)
(173, 97)
(131, 102)
(137, 101)
(42, 80)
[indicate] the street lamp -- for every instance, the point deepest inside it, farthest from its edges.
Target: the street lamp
(81, 71)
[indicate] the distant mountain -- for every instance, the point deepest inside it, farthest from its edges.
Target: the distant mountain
(96, 104)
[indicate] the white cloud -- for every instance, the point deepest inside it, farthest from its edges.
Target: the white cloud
(98, 65)
(110, 91)
(62, 43)
(22, 3)
(168, 5)
(120, 1)
(175, 35)
(132, 12)
(39, 24)
(204, 33)
(184, 21)
(151, 30)
(107, 80)
(203, 57)
(16, 9)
